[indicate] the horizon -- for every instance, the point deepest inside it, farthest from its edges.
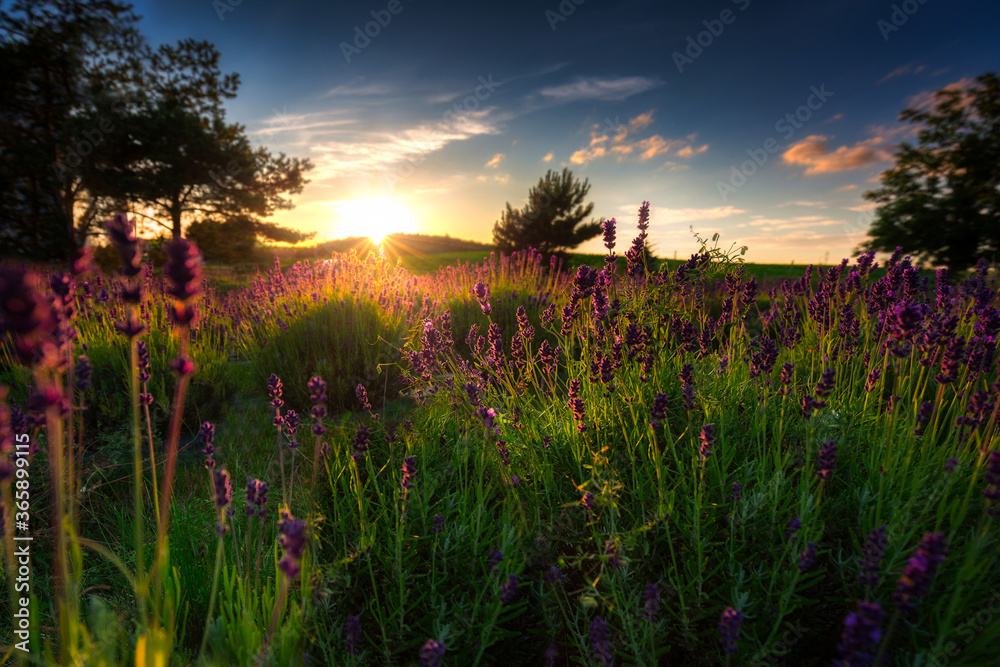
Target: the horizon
(431, 122)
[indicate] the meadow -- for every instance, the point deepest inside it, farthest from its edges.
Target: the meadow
(499, 460)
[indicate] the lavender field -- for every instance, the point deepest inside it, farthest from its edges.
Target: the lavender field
(501, 462)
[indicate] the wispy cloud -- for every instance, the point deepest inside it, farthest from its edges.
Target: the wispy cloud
(595, 88)
(495, 160)
(358, 88)
(800, 202)
(548, 157)
(641, 121)
(900, 71)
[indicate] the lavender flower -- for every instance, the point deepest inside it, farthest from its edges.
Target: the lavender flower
(438, 523)
(554, 575)
(360, 444)
(707, 441)
(432, 654)
(737, 493)
(827, 459)
(409, 473)
(992, 477)
(493, 564)
(293, 543)
(611, 551)
(509, 590)
(650, 602)
(924, 415)
(482, 294)
(793, 528)
(600, 640)
(274, 390)
(862, 635)
(362, 395)
(659, 410)
(872, 554)
(949, 465)
(183, 270)
(915, 580)
(223, 494)
(609, 235)
(729, 629)
(352, 628)
(808, 557)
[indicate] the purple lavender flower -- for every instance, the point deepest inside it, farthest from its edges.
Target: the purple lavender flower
(223, 494)
(707, 441)
(808, 557)
(409, 473)
(924, 415)
(274, 390)
(729, 629)
(915, 579)
(862, 635)
(827, 459)
(951, 360)
(737, 493)
(650, 602)
(793, 528)
(352, 628)
(362, 395)
(493, 564)
(438, 523)
(360, 444)
(600, 641)
(431, 654)
(552, 651)
(992, 477)
(576, 404)
(588, 502)
(609, 235)
(949, 465)
(872, 554)
(687, 386)
(293, 543)
(611, 551)
(483, 296)
(659, 410)
(554, 575)
(509, 590)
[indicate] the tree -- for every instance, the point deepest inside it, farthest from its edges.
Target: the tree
(235, 240)
(180, 157)
(551, 221)
(54, 55)
(942, 199)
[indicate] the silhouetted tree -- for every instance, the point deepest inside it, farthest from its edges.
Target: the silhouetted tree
(942, 199)
(236, 240)
(552, 220)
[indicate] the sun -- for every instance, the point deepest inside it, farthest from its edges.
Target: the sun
(375, 218)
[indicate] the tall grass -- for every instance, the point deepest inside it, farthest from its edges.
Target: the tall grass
(635, 464)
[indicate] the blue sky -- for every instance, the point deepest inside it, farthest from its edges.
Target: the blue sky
(452, 109)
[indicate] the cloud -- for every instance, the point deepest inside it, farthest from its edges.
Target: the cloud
(495, 160)
(834, 118)
(900, 71)
(641, 121)
(688, 151)
(358, 88)
(814, 153)
(846, 188)
(814, 204)
(598, 89)
(548, 157)
(382, 151)
(926, 99)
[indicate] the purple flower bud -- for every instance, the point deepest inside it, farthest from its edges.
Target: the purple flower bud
(872, 554)
(493, 564)
(223, 489)
(827, 459)
(915, 579)
(729, 629)
(352, 628)
(808, 557)
(509, 590)
(438, 523)
(650, 602)
(292, 542)
(431, 654)
(862, 635)
(793, 528)
(600, 641)
(707, 441)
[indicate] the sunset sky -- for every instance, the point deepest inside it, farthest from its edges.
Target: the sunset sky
(453, 109)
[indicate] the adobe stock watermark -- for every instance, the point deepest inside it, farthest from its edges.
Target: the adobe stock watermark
(22, 552)
(80, 148)
(565, 10)
(451, 118)
(714, 28)
(860, 224)
(223, 6)
(967, 630)
(901, 13)
(372, 29)
(787, 125)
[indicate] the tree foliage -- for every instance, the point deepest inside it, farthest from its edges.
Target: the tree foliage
(236, 240)
(942, 199)
(553, 219)
(94, 121)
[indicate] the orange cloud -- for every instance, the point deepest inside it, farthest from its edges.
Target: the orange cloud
(548, 157)
(495, 160)
(815, 154)
(641, 121)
